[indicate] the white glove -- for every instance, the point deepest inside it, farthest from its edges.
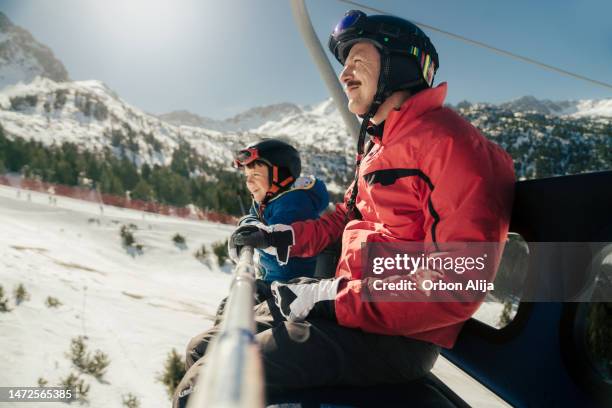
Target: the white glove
(303, 297)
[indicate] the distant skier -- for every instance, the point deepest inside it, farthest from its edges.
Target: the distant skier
(425, 175)
(51, 192)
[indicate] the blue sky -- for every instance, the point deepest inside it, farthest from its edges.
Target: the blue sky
(217, 58)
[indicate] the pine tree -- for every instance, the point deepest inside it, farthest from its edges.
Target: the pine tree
(130, 401)
(220, 250)
(21, 294)
(3, 301)
(174, 370)
(143, 191)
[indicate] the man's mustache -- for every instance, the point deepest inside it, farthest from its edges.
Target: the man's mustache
(351, 83)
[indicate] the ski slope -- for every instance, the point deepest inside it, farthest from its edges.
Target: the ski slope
(134, 307)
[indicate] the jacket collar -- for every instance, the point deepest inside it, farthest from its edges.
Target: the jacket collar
(415, 106)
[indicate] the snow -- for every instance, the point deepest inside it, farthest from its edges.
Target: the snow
(69, 124)
(490, 312)
(317, 132)
(590, 107)
(134, 308)
(22, 58)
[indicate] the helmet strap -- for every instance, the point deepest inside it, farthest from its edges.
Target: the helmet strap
(276, 186)
(379, 98)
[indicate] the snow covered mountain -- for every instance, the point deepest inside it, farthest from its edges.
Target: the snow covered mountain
(93, 116)
(22, 58)
(573, 108)
(544, 137)
(319, 126)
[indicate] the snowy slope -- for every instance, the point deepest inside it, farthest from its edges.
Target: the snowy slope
(135, 309)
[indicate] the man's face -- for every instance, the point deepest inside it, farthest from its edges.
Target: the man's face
(360, 76)
(257, 181)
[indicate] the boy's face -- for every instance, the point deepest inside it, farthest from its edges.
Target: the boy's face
(257, 181)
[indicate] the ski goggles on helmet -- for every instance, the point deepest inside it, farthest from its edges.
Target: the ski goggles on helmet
(246, 156)
(356, 25)
(350, 21)
(387, 33)
(353, 24)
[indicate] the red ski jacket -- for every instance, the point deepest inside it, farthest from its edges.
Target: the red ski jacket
(433, 177)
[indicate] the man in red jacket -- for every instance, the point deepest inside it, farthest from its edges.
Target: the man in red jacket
(426, 175)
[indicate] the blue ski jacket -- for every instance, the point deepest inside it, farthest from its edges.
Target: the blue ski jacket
(305, 200)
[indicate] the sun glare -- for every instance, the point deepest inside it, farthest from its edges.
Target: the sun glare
(142, 21)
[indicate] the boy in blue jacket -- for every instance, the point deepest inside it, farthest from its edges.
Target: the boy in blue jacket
(280, 196)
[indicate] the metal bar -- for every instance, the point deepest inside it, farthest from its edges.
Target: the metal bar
(233, 374)
(302, 19)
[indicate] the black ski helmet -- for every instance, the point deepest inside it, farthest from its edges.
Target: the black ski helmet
(409, 60)
(283, 161)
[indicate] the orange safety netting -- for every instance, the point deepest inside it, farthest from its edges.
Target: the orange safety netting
(93, 195)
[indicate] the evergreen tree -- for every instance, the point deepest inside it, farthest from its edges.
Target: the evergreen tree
(174, 370)
(128, 174)
(145, 171)
(143, 191)
(109, 183)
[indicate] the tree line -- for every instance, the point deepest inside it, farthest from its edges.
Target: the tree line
(188, 179)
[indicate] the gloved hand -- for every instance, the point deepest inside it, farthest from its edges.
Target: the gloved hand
(303, 297)
(273, 239)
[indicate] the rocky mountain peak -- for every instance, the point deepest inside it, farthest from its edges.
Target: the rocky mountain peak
(22, 58)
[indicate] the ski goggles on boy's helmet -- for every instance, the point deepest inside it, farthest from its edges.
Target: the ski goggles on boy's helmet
(272, 152)
(247, 156)
(389, 34)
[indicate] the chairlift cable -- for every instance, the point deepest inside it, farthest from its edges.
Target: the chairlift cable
(492, 48)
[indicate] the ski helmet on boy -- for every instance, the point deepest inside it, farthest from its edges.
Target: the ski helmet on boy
(282, 159)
